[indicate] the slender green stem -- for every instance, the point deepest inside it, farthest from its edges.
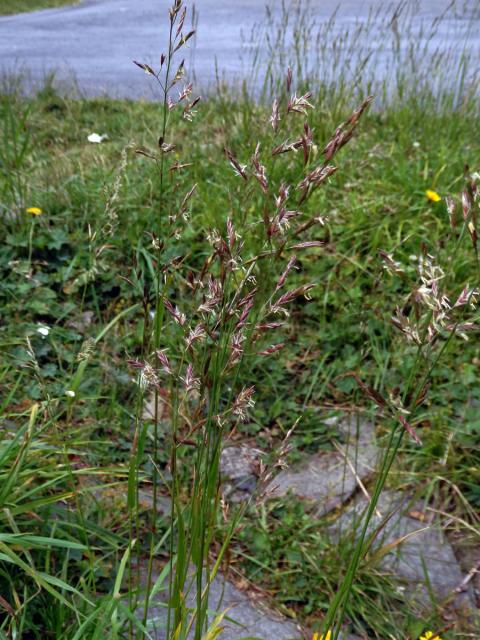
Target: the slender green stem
(158, 326)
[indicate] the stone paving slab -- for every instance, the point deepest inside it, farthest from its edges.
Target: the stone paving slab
(425, 560)
(245, 619)
(239, 468)
(248, 616)
(328, 479)
(468, 553)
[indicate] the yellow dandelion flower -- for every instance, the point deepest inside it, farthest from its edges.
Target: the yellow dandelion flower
(34, 211)
(433, 195)
(429, 635)
(327, 636)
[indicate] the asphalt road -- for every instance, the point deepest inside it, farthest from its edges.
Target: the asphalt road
(95, 42)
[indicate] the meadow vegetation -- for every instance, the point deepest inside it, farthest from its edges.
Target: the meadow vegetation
(11, 7)
(113, 253)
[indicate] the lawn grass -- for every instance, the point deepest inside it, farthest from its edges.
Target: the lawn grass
(52, 274)
(10, 7)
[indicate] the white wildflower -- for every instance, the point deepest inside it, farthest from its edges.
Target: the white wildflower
(97, 138)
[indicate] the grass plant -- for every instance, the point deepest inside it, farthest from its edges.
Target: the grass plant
(159, 265)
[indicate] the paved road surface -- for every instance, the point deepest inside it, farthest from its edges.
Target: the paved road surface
(96, 41)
